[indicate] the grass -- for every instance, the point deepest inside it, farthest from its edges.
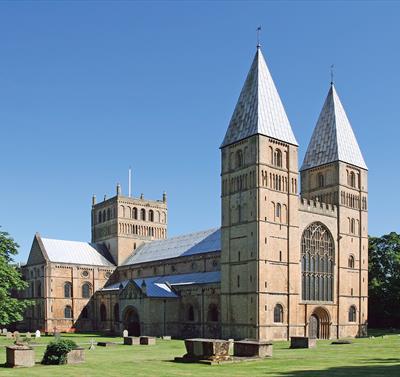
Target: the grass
(365, 357)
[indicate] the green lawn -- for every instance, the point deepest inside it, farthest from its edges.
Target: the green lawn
(365, 357)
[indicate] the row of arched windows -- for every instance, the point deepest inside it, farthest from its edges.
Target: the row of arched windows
(353, 226)
(142, 230)
(103, 312)
(351, 200)
(142, 214)
(86, 290)
(328, 198)
(106, 214)
(212, 313)
(277, 158)
(352, 179)
(279, 212)
(237, 160)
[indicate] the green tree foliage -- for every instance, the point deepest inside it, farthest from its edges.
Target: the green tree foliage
(11, 308)
(384, 281)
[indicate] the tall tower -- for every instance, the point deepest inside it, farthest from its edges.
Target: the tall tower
(123, 223)
(259, 209)
(334, 172)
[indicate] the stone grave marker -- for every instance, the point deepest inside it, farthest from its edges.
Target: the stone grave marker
(16, 335)
(28, 335)
(125, 333)
(92, 347)
(37, 334)
(9, 335)
(4, 331)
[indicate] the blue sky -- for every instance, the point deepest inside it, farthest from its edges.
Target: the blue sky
(89, 88)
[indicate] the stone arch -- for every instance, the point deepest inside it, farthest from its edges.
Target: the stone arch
(319, 324)
(131, 321)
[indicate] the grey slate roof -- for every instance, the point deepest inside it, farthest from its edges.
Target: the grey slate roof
(61, 251)
(160, 286)
(189, 244)
(259, 109)
(333, 138)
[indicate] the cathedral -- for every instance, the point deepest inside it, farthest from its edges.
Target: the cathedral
(290, 257)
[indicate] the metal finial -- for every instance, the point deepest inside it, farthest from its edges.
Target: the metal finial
(332, 73)
(258, 37)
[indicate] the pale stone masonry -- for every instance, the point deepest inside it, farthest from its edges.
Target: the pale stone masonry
(283, 264)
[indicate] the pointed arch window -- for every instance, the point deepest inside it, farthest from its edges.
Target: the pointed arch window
(278, 313)
(317, 263)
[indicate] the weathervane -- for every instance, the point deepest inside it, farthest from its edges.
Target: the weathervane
(258, 37)
(332, 74)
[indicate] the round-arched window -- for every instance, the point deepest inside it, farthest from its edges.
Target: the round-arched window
(317, 263)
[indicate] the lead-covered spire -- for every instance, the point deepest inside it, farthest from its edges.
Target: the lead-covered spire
(259, 109)
(333, 138)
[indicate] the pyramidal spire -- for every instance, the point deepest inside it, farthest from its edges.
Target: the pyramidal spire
(333, 138)
(259, 109)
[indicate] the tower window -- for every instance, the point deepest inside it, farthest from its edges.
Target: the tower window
(351, 261)
(278, 313)
(239, 159)
(278, 211)
(352, 179)
(278, 158)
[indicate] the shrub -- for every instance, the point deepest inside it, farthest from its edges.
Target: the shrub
(56, 352)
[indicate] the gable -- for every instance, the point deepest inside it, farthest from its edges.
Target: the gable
(36, 255)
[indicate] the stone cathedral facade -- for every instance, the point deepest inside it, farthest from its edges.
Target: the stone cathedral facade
(290, 257)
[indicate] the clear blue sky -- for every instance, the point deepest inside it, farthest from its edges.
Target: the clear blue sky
(89, 88)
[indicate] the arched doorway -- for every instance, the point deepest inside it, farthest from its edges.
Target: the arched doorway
(319, 324)
(131, 321)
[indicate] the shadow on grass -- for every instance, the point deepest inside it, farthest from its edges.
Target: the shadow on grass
(353, 371)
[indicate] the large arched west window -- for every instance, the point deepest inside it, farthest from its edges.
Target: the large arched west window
(317, 262)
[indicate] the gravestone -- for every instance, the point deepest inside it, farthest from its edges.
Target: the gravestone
(252, 348)
(92, 347)
(125, 333)
(4, 331)
(302, 342)
(20, 356)
(37, 334)
(206, 349)
(28, 335)
(9, 335)
(131, 340)
(16, 335)
(147, 340)
(76, 356)
(106, 344)
(166, 337)
(57, 335)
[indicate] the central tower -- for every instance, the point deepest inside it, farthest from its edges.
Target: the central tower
(259, 210)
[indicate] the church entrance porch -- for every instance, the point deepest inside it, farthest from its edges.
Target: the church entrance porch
(132, 321)
(319, 324)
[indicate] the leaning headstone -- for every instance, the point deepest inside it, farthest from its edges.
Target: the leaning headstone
(28, 335)
(37, 334)
(125, 333)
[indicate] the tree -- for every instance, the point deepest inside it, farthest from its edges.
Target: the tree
(11, 308)
(384, 280)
